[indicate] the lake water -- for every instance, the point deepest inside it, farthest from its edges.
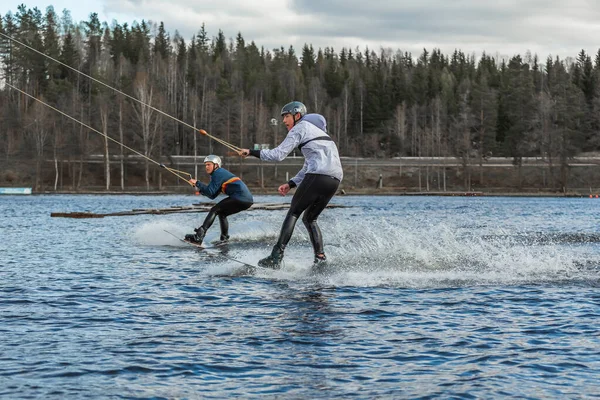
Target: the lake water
(424, 297)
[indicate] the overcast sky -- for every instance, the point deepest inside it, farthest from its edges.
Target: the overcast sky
(500, 28)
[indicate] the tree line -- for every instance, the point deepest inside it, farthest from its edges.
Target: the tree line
(383, 103)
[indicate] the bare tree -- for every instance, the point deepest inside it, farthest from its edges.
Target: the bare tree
(463, 124)
(194, 122)
(545, 105)
(439, 150)
(147, 118)
(400, 124)
(39, 132)
(347, 107)
(104, 120)
(55, 155)
(121, 140)
(315, 92)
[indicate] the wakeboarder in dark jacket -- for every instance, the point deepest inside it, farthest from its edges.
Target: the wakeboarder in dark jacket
(221, 181)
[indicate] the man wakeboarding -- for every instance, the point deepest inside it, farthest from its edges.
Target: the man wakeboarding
(238, 198)
(317, 181)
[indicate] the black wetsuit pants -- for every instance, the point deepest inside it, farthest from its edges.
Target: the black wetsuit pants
(311, 198)
(222, 209)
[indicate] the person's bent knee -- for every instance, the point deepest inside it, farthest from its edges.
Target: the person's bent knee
(293, 213)
(308, 221)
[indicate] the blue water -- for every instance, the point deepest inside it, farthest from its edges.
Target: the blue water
(424, 297)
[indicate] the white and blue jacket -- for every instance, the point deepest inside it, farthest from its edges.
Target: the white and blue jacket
(320, 152)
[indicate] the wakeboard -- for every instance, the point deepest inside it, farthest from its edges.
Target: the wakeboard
(196, 245)
(247, 268)
(243, 269)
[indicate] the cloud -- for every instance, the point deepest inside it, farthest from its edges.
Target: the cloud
(545, 27)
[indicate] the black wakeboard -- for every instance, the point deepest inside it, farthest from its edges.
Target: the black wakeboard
(196, 245)
(249, 269)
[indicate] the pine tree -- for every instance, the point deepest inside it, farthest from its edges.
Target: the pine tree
(308, 61)
(202, 40)
(334, 78)
(162, 45)
(117, 45)
(219, 46)
(6, 47)
(568, 109)
(519, 102)
(192, 70)
(51, 46)
(399, 87)
(484, 107)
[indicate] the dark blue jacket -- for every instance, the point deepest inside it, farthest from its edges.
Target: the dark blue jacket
(223, 181)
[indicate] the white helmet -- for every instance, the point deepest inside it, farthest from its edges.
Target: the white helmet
(213, 159)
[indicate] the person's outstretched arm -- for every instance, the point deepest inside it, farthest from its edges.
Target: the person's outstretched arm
(280, 152)
(211, 190)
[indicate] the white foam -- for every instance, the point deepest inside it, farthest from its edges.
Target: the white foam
(366, 250)
(380, 251)
(153, 233)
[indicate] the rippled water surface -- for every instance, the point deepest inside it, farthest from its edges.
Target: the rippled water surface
(423, 297)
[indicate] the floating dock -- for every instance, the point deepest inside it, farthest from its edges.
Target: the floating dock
(15, 190)
(194, 208)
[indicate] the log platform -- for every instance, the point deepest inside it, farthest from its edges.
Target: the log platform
(194, 208)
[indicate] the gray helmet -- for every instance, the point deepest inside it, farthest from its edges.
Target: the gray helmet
(213, 159)
(295, 107)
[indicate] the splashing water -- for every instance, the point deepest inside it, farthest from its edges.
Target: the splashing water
(386, 247)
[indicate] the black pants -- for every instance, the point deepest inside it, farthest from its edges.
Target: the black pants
(222, 209)
(311, 198)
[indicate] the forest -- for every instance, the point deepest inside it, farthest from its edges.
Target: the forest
(379, 103)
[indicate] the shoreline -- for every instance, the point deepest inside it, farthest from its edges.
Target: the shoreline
(343, 192)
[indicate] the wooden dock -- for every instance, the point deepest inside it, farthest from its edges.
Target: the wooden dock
(194, 208)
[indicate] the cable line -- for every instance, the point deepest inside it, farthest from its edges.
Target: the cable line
(200, 131)
(171, 170)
